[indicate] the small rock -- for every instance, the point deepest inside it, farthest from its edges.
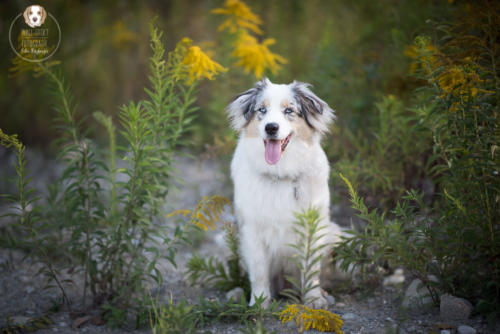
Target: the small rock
(80, 322)
(445, 331)
(29, 289)
(417, 296)
(19, 320)
(329, 298)
(235, 294)
(24, 278)
(454, 308)
(397, 278)
(466, 330)
(411, 329)
(349, 316)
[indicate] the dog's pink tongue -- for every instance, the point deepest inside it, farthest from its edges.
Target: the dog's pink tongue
(273, 151)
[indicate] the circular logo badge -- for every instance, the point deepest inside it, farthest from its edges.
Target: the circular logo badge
(34, 35)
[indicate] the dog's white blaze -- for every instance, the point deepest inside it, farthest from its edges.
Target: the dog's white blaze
(274, 95)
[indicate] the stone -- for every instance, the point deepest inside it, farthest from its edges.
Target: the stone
(466, 330)
(417, 296)
(454, 308)
(330, 299)
(411, 329)
(445, 331)
(349, 316)
(235, 294)
(19, 320)
(395, 279)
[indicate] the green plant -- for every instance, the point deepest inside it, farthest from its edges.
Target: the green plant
(113, 216)
(461, 73)
(403, 241)
(172, 318)
(308, 256)
(208, 270)
(257, 328)
(27, 214)
(212, 272)
(456, 108)
(384, 161)
(208, 311)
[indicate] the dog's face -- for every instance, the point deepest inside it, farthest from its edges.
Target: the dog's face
(34, 16)
(279, 114)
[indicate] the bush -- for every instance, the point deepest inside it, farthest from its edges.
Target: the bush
(390, 159)
(110, 219)
(458, 240)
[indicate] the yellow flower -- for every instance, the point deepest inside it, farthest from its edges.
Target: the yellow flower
(425, 58)
(255, 56)
(122, 36)
(239, 17)
(200, 65)
(307, 318)
(459, 82)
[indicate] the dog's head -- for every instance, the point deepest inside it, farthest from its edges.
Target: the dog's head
(34, 16)
(279, 114)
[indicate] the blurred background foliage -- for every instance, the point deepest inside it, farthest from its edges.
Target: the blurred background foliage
(351, 51)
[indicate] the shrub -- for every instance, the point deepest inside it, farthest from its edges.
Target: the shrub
(114, 216)
(390, 159)
(458, 240)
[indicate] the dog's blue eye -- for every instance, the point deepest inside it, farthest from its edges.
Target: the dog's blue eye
(288, 111)
(263, 110)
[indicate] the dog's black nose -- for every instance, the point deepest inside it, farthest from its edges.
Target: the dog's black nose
(34, 19)
(272, 128)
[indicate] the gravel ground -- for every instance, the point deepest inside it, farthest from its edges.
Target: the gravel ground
(371, 307)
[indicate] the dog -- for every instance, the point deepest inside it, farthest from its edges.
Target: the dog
(279, 169)
(34, 16)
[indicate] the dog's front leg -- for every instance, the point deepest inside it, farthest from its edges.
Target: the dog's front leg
(258, 264)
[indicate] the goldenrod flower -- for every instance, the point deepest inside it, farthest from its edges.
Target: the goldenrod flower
(255, 56)
(459, 82)
(425, 58)
(239, 17)
(307, 318)
(200, 65)
(121, 36)
(457, 79)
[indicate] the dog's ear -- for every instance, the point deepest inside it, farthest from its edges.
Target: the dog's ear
(25, 14)
(44, 15)
(242, 107)
(315, 111)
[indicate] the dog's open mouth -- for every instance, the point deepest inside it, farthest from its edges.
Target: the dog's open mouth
(274, 148)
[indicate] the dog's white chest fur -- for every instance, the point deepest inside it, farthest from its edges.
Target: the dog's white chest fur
(266, 197)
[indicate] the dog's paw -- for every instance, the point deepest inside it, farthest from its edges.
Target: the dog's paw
(317, 299)
(319, 302)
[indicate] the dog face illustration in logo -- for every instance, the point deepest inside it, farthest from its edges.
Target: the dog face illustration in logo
(34, 16)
